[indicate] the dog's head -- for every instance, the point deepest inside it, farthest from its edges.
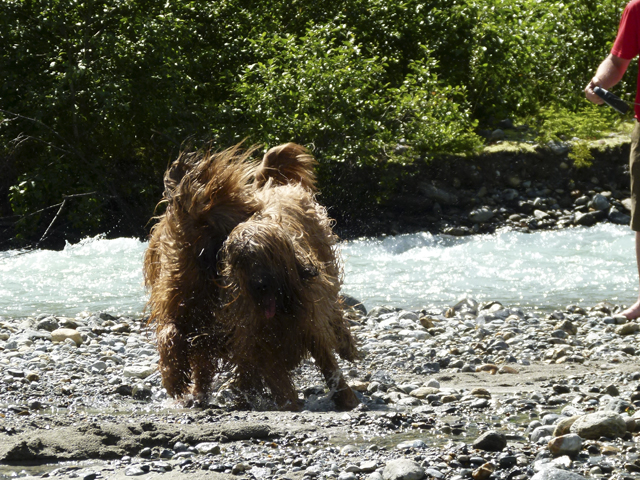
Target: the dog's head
(261, 264)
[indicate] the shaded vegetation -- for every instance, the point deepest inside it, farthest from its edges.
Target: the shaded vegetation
(96, 97)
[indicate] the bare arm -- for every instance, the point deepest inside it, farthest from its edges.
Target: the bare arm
(609, 73)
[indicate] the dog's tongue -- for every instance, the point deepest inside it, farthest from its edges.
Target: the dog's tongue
(270, 307)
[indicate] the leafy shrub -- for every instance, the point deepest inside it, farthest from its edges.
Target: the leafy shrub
(589, 123)
(99, 96)
(320, 91)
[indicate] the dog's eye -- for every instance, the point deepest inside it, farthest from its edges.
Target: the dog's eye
(307, 271)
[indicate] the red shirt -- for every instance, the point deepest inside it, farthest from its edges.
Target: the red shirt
(627, 44)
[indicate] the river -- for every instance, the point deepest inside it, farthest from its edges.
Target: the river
(545, 270)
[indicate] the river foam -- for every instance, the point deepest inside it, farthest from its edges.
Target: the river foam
(548, 270)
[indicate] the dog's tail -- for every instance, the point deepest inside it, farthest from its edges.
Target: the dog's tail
(212, 188)
(287, 164)
(207, 195)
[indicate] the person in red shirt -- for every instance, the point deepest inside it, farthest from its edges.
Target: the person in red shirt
(609, 73)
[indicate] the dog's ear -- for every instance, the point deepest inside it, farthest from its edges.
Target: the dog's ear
(287, 164)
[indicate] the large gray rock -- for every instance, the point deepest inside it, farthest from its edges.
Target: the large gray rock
(618, 217)
(599, 202)
(542, 432)
(48, 323)
(434, 193)
(586, 219)
(402, 469)
(34, 335)
(498, 134)
(557, 474)
(491, 441)
(570, 444)
(481, 215)
(600, 424)
(617, 405)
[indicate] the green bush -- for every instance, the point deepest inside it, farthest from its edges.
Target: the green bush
(98, 96)
(588, 123)
(319, 91)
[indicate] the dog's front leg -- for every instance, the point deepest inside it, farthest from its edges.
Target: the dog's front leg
(340, 391)
(282, 389)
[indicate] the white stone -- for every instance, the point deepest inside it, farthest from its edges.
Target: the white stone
(402, 469)
(138, 371)
(62, 334)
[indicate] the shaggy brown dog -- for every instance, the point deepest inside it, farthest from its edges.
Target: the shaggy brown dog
(244, 277)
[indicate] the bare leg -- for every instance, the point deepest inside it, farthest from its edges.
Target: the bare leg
(633, 311)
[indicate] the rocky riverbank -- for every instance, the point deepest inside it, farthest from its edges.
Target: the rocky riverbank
(517, 186)
(480, 391)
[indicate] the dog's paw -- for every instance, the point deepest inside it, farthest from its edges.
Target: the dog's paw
(193, 400)
(345, 399)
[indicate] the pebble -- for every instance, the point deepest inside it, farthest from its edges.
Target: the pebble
(571, 426)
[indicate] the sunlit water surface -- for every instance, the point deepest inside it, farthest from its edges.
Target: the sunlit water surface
(547, 270)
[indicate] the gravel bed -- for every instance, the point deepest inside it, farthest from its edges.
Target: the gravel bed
(475, 390)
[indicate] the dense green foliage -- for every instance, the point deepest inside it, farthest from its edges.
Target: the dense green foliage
(96, 97)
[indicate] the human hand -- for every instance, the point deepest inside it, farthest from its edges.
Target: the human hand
(590, 94)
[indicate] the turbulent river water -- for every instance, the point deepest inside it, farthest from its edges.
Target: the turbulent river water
(547, 270)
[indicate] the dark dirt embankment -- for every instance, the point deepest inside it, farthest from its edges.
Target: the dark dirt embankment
(440, 196)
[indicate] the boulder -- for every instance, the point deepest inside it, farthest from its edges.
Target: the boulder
(599, 424)
(402, 469)
(569, 444)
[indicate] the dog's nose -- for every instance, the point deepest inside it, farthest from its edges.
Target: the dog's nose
(259, 284)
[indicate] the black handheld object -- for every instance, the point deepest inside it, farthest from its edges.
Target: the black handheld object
(611, 100)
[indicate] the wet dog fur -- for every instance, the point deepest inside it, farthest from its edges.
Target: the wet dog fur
(244, 278)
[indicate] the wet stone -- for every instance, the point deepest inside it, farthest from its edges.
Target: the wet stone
(569, 444)
(491, 441)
